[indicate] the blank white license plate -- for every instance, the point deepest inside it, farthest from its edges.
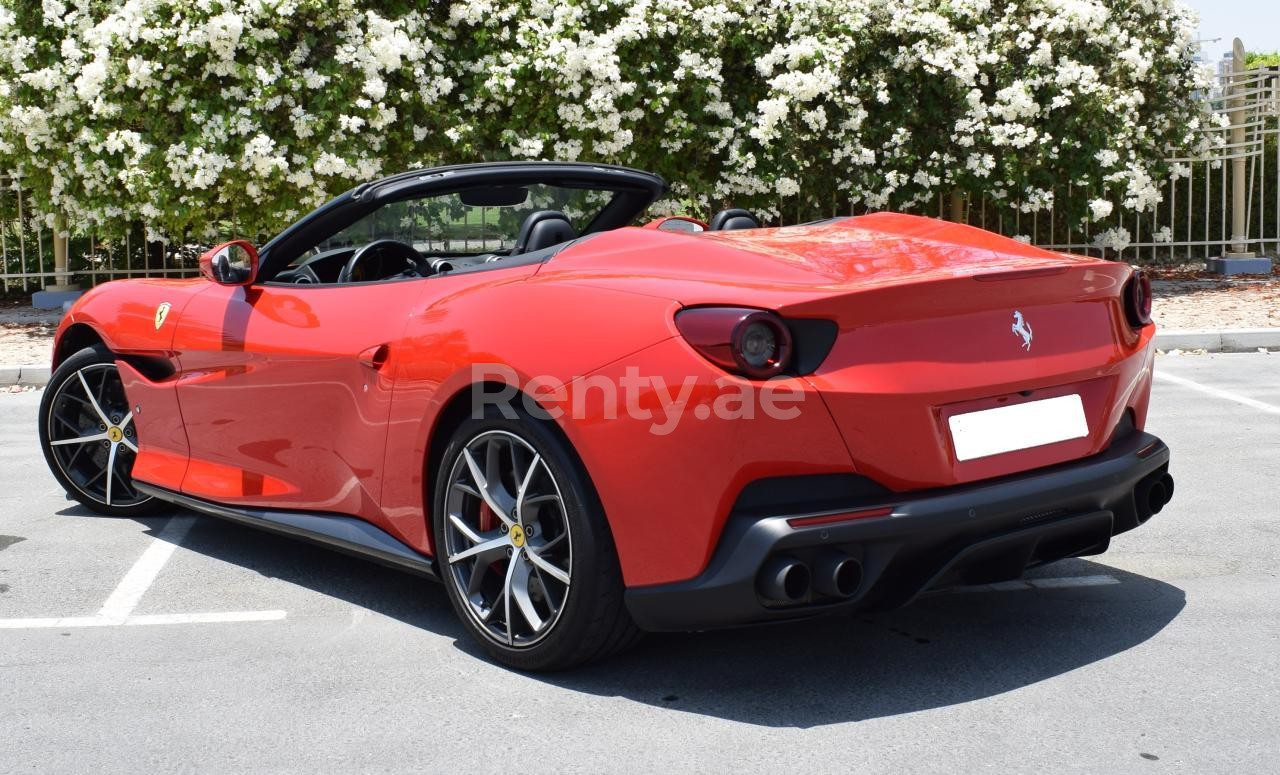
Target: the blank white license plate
(1021, 426)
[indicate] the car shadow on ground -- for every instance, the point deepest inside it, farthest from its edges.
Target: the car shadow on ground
(945, 649)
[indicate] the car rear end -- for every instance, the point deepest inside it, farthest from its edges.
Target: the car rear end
(992, 397)
(959, 379)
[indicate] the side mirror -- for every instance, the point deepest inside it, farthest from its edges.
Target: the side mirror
(231, 263)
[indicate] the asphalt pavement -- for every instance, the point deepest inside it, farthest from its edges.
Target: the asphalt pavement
(183, 643)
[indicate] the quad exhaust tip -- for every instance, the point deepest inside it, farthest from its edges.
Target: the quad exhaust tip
(837, 575)
(784, 580)
(1156, 497)
(1153, 495)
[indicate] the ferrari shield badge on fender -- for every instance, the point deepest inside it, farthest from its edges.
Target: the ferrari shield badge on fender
(162, 312)
(1020, 327)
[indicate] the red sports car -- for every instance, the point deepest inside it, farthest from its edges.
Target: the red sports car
(587, 430)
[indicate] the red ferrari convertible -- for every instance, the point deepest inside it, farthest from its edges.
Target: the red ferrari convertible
(586, 429)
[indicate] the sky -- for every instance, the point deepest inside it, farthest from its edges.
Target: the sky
(1255, 22)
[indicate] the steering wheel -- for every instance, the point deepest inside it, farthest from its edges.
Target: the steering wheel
(412, 259)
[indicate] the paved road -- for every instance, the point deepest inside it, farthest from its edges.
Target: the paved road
(1163, 655)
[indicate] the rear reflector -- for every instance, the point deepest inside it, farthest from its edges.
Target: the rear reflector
(847, 516)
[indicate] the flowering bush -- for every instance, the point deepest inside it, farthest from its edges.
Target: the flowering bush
(207, 117)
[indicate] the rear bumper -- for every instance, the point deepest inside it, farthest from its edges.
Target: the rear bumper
(968, 534)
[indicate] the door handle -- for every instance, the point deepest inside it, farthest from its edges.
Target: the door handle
(375, 357)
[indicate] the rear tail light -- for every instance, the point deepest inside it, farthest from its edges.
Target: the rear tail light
(751, 342)
(1137, 299)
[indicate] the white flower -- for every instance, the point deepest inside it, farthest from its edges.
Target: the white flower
(313, 80)
(771, 113)
(787, 187)
(1107, 157)
(331, 164)
(376, 88)
(89, 83)
(54, 10)
(1099, 208)
(1043, 55)
(1015, 102)
(222, 34)
(529, 147)
(1116, 239)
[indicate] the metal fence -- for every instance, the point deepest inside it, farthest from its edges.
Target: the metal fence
(1226, 199)
(23, 245)
(27, 251)
(1197, 217)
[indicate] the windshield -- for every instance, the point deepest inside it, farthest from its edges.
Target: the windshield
(482, 220)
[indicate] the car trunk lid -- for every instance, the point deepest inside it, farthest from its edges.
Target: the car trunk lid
(909, 359)
(934, 320)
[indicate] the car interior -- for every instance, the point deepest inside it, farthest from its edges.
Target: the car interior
(485, 226)
(733, 219)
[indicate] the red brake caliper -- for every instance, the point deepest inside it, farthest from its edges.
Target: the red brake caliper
(487, 518)
(487, 521)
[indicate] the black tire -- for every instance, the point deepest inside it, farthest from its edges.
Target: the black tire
(69, 410)
(592, 621)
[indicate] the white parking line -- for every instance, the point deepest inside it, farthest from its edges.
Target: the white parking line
(139, 578)
(1219, 393)
(118, 610)
(1053, 583)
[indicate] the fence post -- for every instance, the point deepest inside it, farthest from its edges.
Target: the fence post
(1238, 259)
(62, 282)
(61, 290)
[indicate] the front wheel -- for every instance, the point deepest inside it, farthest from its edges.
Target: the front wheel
(88, 437)
(524, 549)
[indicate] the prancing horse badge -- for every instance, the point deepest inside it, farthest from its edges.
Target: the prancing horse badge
(1020, 327)
(162, 312)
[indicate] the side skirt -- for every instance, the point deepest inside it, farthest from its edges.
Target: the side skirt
(335, 531)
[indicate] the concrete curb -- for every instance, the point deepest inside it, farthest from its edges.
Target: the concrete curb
(1218, 340)
(29, 374)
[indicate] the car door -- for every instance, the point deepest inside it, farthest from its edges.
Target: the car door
(285, 390)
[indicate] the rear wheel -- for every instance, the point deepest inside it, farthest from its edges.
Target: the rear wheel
(524, 549)
(88, 437)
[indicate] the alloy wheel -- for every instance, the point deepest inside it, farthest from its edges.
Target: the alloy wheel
(91, 435)
(507, 539)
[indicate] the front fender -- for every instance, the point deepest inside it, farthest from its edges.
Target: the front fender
(124, 315)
